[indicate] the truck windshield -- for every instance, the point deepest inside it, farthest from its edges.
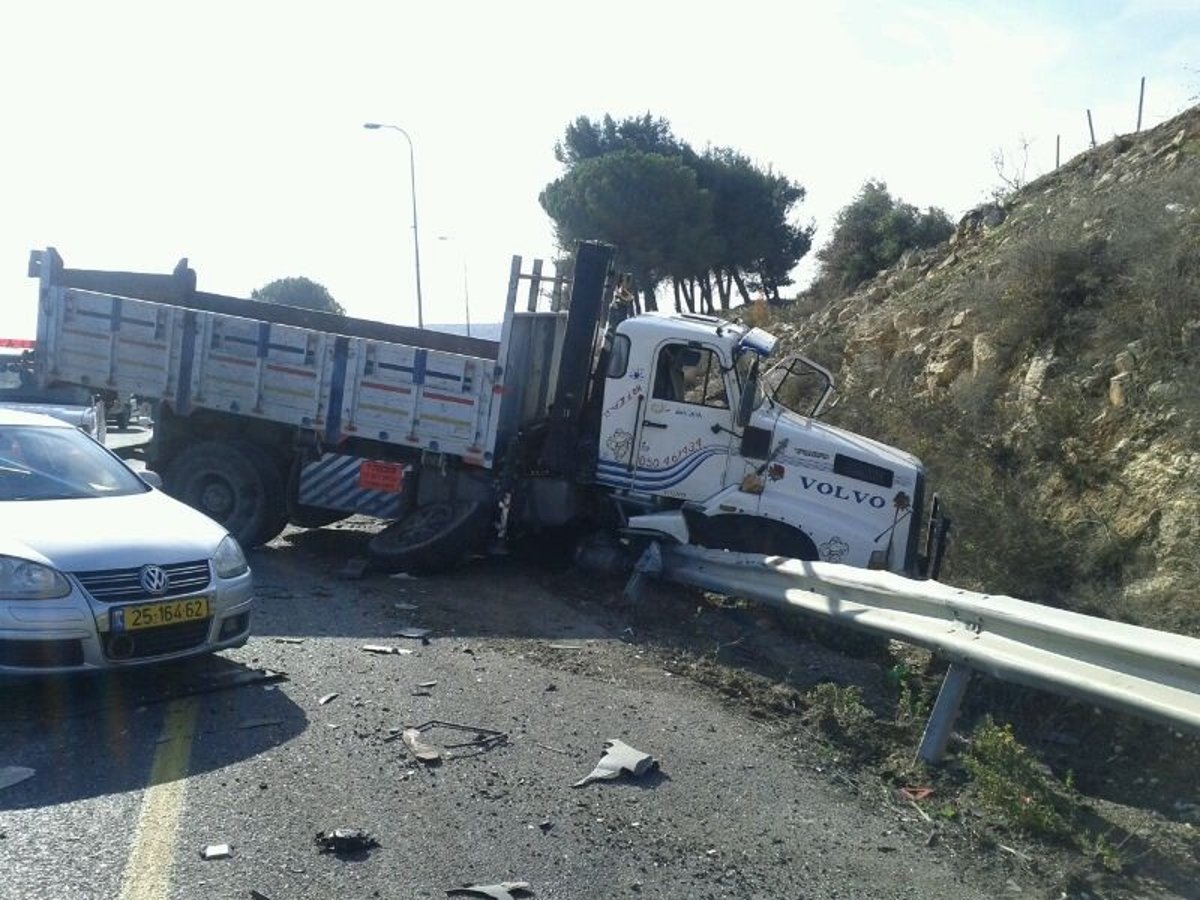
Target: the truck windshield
(797, 385)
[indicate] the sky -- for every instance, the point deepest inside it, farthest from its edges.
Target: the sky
(231, 132)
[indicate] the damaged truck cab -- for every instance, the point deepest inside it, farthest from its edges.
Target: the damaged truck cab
(706, 439)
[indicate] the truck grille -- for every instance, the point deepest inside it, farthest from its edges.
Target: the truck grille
(123, 585)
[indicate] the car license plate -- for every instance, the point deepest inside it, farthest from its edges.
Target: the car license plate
(156, 615)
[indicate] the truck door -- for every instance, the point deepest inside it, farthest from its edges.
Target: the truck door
(687, 424)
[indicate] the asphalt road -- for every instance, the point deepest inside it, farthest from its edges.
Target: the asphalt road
(118, 439)
(135, 776)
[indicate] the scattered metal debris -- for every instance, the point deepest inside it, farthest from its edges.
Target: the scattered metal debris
(345, 841)
(216, 851)
(328, 698)
(426, 684)
(565, 646)
(505, 890)
(385, 649)
(258, 895)
(259, 723)
(354, 569)
(402, 576)
(412, 632)
(619, 757)
(10, 775)
(482, 740)
(422, 752)
(405, 607)
(289, 640)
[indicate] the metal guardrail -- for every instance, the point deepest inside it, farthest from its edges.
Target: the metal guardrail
(1152, 674)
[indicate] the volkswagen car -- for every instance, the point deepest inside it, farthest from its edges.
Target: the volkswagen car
(99, 569)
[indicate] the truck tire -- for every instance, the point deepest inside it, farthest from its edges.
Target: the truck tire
(431, 538)
(273, 486)
(227, 482)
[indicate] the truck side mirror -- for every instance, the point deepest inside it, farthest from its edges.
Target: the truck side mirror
(746, 401)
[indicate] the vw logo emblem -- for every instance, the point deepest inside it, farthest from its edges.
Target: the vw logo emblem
(154, 580)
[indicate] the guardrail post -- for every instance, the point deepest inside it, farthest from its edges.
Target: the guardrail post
(945, 711)
(649, 564)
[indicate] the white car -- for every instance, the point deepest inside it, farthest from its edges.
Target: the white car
(100, 570)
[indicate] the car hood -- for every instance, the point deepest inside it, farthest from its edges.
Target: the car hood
(107, 532)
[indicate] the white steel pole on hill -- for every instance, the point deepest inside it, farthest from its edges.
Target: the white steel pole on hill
(412, 174)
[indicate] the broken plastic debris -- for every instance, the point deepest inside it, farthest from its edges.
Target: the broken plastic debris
(411, 632)
(216, 851)
(619, 757)
(505, 890)
(914, 794)
(385, 649)
(421, 751)
(345, 841)
(10, 775)
(328, 698)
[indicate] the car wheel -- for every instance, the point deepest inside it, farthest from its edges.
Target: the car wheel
(225, 481)
(431, 538)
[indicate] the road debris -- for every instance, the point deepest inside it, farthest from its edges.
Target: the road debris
(425, 685)
(915, 794)
(384, 650)
(328, 698)
(422, 752)
(10, 775)
(420, 634)
(505, 890)
(289, 640)
(619, 757)
(345, 841)
(481, 740)
(565, 646)
(216, 851)
(258, 895)
(402, 576)
(405, 607)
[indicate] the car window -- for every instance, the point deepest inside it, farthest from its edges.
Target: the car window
(46, 463)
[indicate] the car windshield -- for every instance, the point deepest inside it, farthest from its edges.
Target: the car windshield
(48, 463)
(796, 386)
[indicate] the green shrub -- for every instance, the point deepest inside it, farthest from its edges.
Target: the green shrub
(1009, 781)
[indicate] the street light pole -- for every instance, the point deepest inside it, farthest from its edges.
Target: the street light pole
(412, 174)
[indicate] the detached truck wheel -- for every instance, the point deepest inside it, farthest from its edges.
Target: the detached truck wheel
(430, 538)
(228, 482)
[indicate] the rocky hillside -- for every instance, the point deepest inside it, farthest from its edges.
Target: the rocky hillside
(1044, 364)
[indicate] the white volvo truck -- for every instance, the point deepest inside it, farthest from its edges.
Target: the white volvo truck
(669, 427)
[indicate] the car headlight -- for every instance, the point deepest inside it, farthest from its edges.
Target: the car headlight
(23, 579)
(229, 561)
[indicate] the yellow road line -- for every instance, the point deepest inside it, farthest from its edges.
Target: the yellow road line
(148, 871)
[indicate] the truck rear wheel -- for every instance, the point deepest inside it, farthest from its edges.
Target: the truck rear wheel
(230, 483)
(273, 487)
(430, 538)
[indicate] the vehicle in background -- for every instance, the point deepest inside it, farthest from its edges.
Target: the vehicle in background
(583, 417)
(100, 570)
(120, 410)
(19, 389)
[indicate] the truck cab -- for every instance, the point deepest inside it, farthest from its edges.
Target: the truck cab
(707, 437)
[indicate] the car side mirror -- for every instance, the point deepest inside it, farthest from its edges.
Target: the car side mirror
(746, 402)
(151, 478)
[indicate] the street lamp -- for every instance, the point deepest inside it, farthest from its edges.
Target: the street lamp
(412, 173)
(466, 291)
